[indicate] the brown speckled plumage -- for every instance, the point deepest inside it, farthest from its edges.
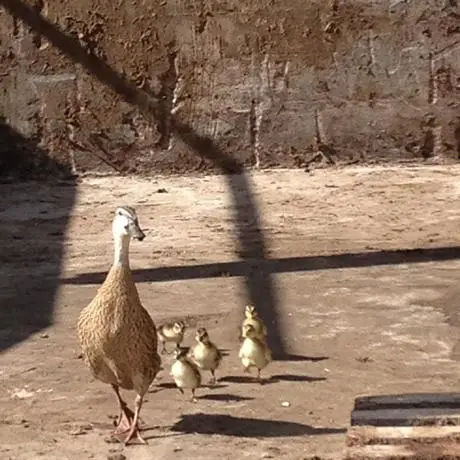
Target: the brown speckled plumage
(117, 335)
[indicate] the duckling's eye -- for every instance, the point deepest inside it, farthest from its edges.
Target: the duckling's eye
(126, 227)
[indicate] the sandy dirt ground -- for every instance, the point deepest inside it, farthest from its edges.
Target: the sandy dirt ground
(359, 318)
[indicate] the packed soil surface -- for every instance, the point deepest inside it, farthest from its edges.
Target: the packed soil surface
(355, 271)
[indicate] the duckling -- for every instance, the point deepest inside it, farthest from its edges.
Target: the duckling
(117, 335)
(254, 352)
(253, 318)
(171, 332)
(185, 372)
(205, 354)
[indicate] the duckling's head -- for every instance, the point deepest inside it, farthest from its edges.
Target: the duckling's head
(181, 353)
(179, 327)
(125, 223)
(250, 311)
(249, 331)
(202, 335)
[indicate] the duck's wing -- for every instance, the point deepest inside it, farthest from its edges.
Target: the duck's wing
(218, 357)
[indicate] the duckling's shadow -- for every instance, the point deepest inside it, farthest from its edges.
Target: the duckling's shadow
(272, 379)
(297, 358)
(172, 386)
(244, 379)
(225, 397)
(296, 378)
(246, 427)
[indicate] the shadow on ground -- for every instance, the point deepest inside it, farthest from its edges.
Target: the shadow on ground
(227, 397)
(246, 427)
(285, 265)
(271, 379)
(33, 228)
(171, 386)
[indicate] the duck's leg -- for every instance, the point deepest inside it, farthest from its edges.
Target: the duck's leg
(134, 429)
(163, 349)
(126, 414)
(259, 378)
(213, 380)
(194, 400)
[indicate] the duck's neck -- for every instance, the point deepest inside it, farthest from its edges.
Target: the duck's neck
(121, 253)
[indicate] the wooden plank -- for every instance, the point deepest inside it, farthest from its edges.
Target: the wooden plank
(368, 435)
(380, 453)
(389, 452)
(409, 400)
(406, 417)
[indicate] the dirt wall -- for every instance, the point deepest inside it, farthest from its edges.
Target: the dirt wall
(169, 85)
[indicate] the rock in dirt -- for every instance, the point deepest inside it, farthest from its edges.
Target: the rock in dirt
(117, 456)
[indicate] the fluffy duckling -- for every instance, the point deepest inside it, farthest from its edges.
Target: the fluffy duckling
(205, 354)
(254, 352)
(171, 332)
(253, 318)
(185, 372)
(117, 335)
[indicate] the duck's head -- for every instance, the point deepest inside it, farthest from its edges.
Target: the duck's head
(125, 223)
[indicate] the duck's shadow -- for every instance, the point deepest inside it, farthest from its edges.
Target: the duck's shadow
(246, 427)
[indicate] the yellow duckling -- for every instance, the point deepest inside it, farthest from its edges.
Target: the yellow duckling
(185, 372)
(171, 332)
(253, 318)
(254, 352)
(205, 354)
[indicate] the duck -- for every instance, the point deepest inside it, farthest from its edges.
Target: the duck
(205, 354)
(171, 332)
(118, 337)
(185, 372)
(253, 318)
(254, 352)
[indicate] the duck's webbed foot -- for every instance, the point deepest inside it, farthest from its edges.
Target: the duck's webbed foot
(134, 429)
(125, 416)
